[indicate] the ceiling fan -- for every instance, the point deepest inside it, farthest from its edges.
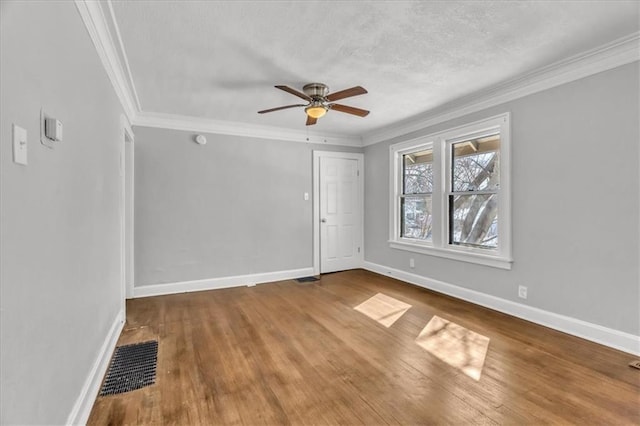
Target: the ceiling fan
(320, 101)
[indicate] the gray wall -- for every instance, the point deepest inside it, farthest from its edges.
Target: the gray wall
(231, 207)
(59, 226)
(575, 203)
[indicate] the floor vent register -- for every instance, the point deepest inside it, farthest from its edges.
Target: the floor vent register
(307, 279)
(132, 367)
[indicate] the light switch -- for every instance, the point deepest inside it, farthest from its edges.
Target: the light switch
(306, 196)
(19, 145)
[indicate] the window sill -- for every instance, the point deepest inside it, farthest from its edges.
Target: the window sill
(461, 255)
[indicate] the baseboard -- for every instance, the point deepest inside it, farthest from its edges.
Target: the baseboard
(218, 283)
(596, 333)
(82, 408)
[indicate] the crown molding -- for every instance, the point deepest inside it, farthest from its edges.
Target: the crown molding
(96, 23)
(123, 55)
(95, 20)
(611, 55)
(234, 128)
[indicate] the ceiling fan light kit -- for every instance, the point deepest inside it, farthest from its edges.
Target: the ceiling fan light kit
(320, 101)
(316, 110)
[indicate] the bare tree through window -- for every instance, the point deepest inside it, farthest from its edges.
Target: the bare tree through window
(416, 201)
(473, 200)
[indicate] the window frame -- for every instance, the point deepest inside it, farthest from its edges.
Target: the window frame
(441, 144)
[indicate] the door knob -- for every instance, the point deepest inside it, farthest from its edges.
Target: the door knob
(323, 220)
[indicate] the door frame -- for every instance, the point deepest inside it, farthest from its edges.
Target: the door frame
(126, 208)
(317, 155)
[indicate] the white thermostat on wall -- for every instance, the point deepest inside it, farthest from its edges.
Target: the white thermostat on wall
(53, 129)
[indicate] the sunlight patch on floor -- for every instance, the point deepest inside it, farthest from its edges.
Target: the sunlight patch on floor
(457, 346)
(384, 309)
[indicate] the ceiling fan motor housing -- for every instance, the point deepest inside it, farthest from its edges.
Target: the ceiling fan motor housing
(316, 90)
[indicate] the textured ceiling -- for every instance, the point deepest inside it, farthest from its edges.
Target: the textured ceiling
(220, 60)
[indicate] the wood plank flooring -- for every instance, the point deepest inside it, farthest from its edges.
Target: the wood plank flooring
(291, 353)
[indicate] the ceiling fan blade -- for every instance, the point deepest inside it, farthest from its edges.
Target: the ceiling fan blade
(294, 92)
(311, 121)
(350, 110)
(347, 93)
(279, 108)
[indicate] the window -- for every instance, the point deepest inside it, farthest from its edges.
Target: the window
(450, 194)
(473, 194)
(415, 200)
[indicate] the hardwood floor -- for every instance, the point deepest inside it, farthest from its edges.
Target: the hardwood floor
(291, 353)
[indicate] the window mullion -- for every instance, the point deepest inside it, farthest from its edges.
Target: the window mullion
(437, 196)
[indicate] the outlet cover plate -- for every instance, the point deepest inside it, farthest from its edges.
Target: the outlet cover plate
(522, 292)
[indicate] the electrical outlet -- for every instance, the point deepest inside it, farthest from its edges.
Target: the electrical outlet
(412, 263)
(522, 291)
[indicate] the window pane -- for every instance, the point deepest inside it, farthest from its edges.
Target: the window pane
(476, 164)
(474, 220)
(418, 172)
(416, 214)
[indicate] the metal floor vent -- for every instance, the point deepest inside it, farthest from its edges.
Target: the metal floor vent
(132, 367)
(635, 364)
(307, 279)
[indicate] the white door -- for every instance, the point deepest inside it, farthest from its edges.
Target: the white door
(339, 211)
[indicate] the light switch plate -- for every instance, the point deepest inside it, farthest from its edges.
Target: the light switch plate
(19, 145)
